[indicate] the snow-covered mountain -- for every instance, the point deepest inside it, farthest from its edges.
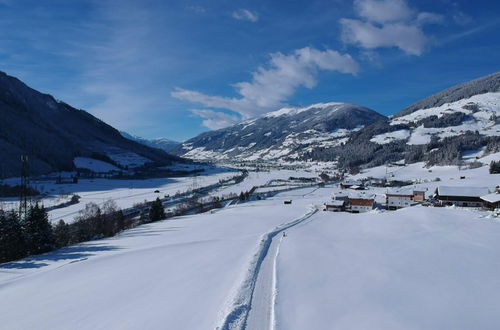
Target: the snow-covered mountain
(289, 133)
(160, 143)
(53, 134)
(437, 129)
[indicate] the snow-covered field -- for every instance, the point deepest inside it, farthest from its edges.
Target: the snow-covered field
(125, 193)
(274, 266)
(416, 268)
(176, 274)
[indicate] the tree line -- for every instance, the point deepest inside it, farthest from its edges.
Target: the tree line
(32, 234)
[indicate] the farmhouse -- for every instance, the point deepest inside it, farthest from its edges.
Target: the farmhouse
(399, 198)
(461, 196)
(335, 206)
(360, 203)
(396, 199)
(491, 201)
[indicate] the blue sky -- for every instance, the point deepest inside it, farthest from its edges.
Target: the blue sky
(177, 68)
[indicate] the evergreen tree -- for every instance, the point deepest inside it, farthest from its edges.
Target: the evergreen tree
(156, 211)
(62, 235)
(494, 167)
(12, 245)
(38, 232)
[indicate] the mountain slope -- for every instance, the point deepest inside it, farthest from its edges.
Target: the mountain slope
(161, 143)
(437, 129)
(53, 133)
(289, 133)
(488, 84)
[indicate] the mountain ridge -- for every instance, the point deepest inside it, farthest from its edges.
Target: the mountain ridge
(285, 133)
(159, 143)
(53, 134)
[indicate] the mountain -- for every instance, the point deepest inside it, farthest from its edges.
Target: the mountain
(288, 134)
(488, 84)
(53, 134)
(161, 143)
(437, 130)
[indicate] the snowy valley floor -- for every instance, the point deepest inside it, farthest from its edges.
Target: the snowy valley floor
(417, 268)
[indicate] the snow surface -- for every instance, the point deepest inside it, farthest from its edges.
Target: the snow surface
(94, 165)
(417, 268)
(175, 274)
(489, 103)
(389, 137)
(492, 198)
(463, 191)
(296, 110)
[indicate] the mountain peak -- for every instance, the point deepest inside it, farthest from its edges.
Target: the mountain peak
(291, 133)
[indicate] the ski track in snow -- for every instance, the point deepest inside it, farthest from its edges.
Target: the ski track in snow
(252, 308)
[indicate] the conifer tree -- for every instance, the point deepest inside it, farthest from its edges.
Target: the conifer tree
(38, 233)
(156, 211)
(62, 235)
(12, 244)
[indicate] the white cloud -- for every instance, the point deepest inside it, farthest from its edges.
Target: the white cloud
(408, 38)
(215, 119)
(272, 85)
(383, 11)
(388, 23)
(245, 15)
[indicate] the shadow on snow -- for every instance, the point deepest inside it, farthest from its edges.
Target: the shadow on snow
(75, 253)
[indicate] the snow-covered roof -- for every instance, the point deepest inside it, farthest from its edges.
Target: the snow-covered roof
(361, 195)
(340, 195)
(402, 191)
(336, 203)
(463, 191)
(491, 198)
(352, 183)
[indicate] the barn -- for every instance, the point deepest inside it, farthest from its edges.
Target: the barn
(461, 196)
(491, 201)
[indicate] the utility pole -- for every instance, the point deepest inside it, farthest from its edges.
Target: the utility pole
(23, 201)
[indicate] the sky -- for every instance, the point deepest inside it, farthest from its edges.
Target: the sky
(176, 68)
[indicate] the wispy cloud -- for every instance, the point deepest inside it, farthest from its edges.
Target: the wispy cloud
(469, 32)
(197, 9)
(215, 119)
(388, 23)
(274, 84)
(245, 15)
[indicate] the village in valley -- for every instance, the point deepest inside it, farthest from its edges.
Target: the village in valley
(358, 197)
(250, 165)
